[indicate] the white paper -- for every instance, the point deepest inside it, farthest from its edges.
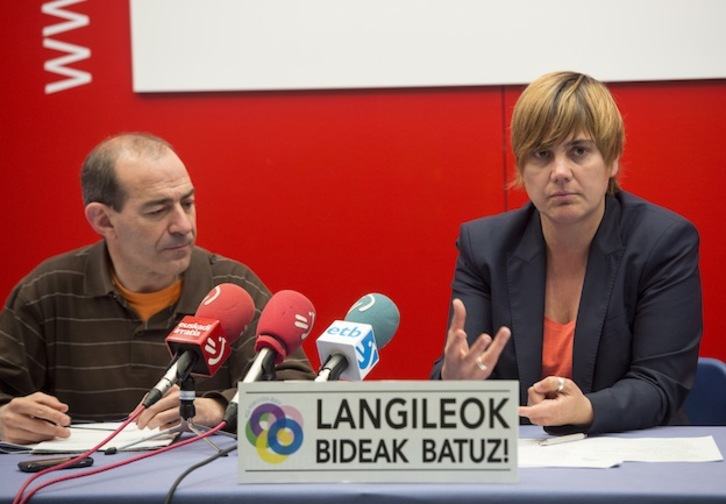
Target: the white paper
(606, 451)
(86, 436)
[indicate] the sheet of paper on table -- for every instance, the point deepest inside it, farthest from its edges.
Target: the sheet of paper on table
(609, 451)
(86, 436)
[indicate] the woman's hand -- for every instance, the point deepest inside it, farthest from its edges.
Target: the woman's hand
(462, 362)
(556, 401)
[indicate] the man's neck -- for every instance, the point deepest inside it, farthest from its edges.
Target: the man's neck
(142, 284)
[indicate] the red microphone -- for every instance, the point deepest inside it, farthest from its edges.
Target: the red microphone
(201, 343)
(220, 319)
(284, 323)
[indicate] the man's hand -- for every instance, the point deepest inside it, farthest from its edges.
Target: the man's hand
(34, 418)
(164, 414)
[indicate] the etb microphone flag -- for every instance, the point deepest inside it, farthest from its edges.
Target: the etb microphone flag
(356, 341)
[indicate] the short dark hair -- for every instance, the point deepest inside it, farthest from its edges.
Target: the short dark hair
(99, 182)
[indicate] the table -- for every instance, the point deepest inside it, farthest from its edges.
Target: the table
(149, 481)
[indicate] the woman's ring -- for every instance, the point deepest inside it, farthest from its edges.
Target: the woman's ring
(561, 384)
(481, 365)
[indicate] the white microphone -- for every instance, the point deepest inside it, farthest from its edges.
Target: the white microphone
(349, 348)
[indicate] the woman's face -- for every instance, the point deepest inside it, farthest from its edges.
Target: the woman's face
(567, 183)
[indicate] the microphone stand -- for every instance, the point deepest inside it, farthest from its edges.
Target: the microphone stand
(262, 369)
(332, 368)
(186, 412)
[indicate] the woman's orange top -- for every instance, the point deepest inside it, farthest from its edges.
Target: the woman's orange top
(557, 348)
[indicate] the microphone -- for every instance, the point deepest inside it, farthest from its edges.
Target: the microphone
(201, 343)
(368, 326)
(284, 323)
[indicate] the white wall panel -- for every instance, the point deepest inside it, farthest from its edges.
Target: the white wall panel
(215, 45)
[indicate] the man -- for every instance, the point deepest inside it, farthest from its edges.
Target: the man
(82, 336)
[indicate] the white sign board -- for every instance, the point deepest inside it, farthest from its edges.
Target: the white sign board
(227, 45)
(385, 431)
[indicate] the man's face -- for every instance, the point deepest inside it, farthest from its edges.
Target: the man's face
(154, 233)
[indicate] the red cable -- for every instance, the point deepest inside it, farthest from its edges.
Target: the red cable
(116, 464)
(18, 497)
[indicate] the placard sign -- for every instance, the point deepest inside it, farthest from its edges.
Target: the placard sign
(385, 431)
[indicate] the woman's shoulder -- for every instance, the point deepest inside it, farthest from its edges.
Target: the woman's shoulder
(503, 233)
(511, 219)
(639, 213)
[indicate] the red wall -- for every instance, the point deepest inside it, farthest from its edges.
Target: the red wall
(333, 194)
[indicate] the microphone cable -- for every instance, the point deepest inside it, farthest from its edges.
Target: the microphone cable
(19, 499)
(188, 471)
(24, 499)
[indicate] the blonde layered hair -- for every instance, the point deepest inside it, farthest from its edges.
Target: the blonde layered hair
(561, 104)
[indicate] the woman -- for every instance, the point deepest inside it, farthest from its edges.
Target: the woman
(598, 290)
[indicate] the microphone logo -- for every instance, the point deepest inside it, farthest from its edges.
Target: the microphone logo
(367, 352)
(363, 304)
(212, 296)
(305, 323)
(215, 350)
(276, 432)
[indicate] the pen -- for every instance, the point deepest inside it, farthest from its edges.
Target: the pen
(562, 439)
(50, 422)
(90, 427)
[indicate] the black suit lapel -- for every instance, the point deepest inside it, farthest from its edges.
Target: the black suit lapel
(526, 269)
(602, 267)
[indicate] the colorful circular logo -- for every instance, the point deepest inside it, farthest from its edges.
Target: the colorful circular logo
(276, 432)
